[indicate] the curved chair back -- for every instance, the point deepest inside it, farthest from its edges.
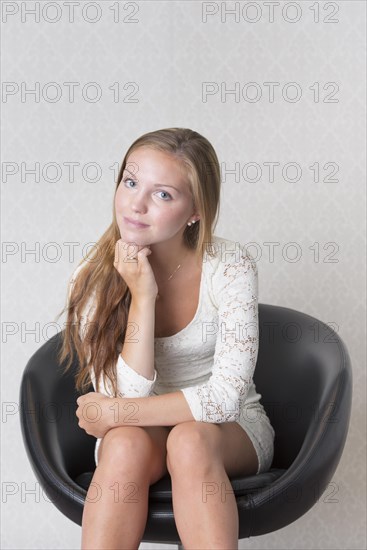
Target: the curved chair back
(303, 373)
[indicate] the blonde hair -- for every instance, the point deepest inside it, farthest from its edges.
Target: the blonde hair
(97, 278)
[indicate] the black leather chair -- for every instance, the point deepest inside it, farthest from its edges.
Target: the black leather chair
(303, 373)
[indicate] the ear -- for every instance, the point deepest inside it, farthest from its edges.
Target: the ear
(195, 216)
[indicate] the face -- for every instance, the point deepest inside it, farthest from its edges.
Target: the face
(154, 191)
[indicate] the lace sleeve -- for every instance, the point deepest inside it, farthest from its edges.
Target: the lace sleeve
(129, 382)
(220, 399)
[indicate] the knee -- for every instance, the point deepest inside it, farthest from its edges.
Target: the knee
(191, 447)
(127, 446)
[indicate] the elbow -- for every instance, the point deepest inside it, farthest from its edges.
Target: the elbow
(219, 414)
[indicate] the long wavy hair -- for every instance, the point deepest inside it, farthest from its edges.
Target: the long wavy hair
(98, 280)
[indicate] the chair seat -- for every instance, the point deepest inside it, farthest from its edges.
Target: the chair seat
(162, 490)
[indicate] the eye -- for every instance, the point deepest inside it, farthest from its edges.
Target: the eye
(129, 179)
(167, 195)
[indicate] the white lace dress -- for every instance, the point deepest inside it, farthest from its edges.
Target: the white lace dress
(212, 360)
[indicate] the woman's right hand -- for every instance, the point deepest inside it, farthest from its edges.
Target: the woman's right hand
(133, 265)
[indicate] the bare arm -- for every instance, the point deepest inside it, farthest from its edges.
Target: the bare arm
(168, 409)
(138, 348)
(134, 267)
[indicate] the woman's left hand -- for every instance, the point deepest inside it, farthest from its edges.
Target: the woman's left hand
(96, 413)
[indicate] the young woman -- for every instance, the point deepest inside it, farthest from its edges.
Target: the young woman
(163, 316)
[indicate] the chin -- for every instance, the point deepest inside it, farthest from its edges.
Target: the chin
(133, 237)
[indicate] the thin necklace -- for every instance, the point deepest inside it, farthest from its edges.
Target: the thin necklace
(170, 277)
(177, 268)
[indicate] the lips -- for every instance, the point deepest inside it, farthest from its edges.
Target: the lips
(135, 223)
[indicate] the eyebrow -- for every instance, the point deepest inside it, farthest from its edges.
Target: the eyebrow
(156, 184)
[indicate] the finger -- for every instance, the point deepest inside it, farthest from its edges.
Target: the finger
(144, 252)
(124, 250)
(131, 252)
(138, 254)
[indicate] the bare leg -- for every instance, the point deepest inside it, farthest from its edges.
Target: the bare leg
(204, 504)
(116, 507)
(206, 511)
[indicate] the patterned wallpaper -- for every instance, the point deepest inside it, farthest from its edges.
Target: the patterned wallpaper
(279, 90)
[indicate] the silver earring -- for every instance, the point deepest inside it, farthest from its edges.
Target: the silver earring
(193, 221)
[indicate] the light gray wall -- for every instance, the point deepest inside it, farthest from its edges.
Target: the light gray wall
(168, 50)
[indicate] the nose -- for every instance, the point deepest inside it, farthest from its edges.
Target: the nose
(139, 204)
